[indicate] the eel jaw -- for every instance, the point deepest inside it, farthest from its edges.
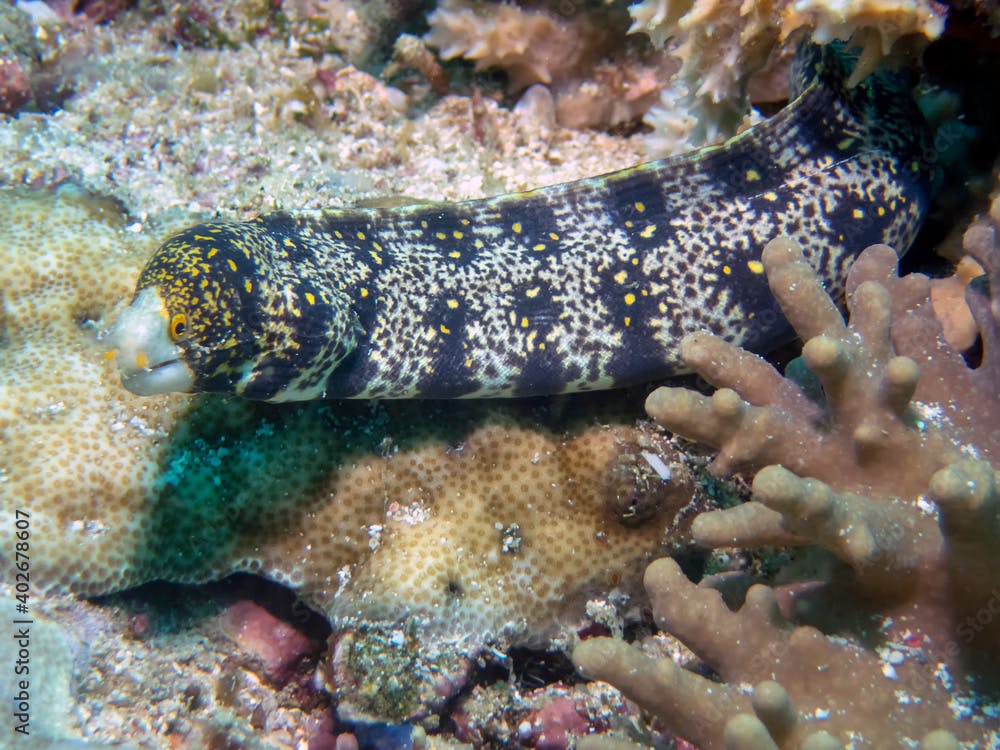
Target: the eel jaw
(149, 362)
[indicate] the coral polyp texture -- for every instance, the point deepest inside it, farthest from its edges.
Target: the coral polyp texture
(883, 453)
(464, 522)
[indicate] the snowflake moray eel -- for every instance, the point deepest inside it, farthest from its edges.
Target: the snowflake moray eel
(579, 286)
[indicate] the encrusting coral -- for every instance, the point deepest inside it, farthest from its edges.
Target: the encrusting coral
(461, 521)
(887, 465)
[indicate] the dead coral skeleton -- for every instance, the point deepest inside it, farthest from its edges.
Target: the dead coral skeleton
(892, 475)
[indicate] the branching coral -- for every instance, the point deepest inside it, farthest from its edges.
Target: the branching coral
(891, 491)
(866, 416)
(868, 437)
(902, 411)
(966, 397)
(808, 689)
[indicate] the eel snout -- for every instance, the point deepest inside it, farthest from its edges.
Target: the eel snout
(148, 360)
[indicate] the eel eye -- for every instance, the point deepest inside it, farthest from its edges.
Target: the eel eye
(178, 325)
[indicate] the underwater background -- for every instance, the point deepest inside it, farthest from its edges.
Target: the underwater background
(806, 559)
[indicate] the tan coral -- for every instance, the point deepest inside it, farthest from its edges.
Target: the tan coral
(614, 93)
(460, 519)
(807, 688)
(721, 45)
(464, 530)
(869, 372)
(565, 52)
(889, 19)
(867, 439)
(75, 447)
(882, 484)
(659, 19)
(533, 46)
(875, 25)
(774, 421)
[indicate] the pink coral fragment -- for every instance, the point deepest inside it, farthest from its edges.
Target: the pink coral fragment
(277, 645)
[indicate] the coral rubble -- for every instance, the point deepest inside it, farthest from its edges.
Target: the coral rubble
(19, 55)
(887, 466)
(282, 120)
(37, 69)
(99, 680)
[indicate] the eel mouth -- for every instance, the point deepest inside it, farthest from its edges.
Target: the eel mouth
(165, 377)
(148, 360)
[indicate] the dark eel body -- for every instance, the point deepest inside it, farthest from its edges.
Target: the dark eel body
(579, 286)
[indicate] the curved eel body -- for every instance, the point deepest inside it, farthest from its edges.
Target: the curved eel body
(579, 286)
